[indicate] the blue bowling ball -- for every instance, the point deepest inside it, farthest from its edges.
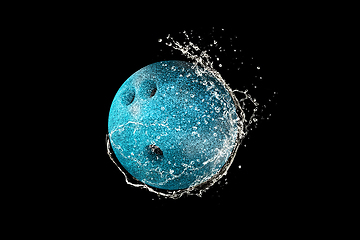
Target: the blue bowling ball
(173, 125)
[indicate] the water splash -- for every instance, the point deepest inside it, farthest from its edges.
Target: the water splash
(201, 58)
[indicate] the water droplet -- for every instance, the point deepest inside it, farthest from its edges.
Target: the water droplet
(160, 40)
(257, 67)
(220, 65)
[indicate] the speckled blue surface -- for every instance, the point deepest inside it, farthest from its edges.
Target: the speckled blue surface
(171, 127)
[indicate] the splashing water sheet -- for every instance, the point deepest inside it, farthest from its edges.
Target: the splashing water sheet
(206, 60)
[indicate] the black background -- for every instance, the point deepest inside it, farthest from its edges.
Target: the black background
(95, 57)
(67, 63)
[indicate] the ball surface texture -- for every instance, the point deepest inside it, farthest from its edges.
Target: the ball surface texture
(173, 125)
